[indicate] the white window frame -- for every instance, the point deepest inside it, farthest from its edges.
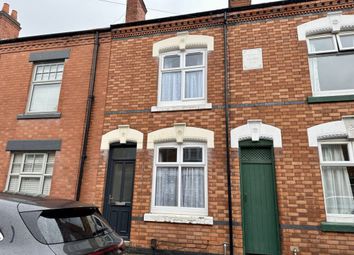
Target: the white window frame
(344, 218)
(176, 210)
(319, 37)
(39, 83)
(340, 42)
(183, 69)
(41, 175)
(312, 56)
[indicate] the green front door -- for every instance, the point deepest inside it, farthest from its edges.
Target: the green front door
(259, 202)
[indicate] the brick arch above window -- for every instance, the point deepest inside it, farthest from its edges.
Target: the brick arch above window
(183, 41)
(256, 130)
(122, 134)
(334, 22)
(180, 133)
(335, 129)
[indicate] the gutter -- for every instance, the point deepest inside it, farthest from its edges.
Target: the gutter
(227, 139)
(89, 105)
(158, 20)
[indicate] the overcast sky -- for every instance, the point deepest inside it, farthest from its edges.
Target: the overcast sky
(54, 16)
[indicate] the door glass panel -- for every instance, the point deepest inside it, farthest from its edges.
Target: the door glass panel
(117, 181)
(128, 182)
(124, 153)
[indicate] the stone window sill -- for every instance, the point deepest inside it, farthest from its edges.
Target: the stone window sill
(337, 227)
(181, 107)
(329, 99)
(183, 219)
(28, 116)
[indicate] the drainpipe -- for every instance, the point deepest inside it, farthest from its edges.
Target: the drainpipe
(226, 106)
(89, 104)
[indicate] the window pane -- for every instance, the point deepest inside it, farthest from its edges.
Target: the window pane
(333, 72)
(194, 84)
(50, 163)
(335, 152)
(194, 59)
(192, 154)
(168, 155)
(192, 193)
(30, 185)
(338, 189)
(171, 86)
(321, 44)
(28, 164)
(13, 183)
(45, 98)
(38, 163)
(166, 191)
(347, 41)
(17, 163)
(46, 185)
(172, 61)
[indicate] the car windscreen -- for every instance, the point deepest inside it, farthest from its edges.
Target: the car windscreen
(65, 225)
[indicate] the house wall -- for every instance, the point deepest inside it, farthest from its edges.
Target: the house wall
(126, 89)
(15, 75)
(276, 94)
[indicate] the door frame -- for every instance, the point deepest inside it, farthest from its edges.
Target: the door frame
(259, 144)
(109, 175)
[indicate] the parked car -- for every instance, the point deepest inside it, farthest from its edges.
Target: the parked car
(37, 225)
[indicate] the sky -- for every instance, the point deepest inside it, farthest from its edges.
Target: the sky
(55, 16)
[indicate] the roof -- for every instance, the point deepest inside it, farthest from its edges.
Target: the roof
(152, 21)
(36, 203)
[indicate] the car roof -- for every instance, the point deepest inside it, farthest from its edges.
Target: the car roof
(35, 203)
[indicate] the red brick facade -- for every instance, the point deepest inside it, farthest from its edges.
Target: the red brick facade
(126, 88)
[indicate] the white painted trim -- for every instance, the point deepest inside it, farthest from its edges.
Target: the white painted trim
(183, 219)
(183, 41)
(256, 130)
(122, 134)
(335, 129)
(181, 107)
(180, 133)
(333, 23)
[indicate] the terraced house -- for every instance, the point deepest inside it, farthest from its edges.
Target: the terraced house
(224, 132)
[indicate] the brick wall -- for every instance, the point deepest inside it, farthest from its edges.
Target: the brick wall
(16, 74)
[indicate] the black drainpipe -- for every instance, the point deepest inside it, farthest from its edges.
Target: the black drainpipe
(226, 105)
(90, 99)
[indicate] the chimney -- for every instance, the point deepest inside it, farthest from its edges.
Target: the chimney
(239, 3)
(9, 26)
(136, 11)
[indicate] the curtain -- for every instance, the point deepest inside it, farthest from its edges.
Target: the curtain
(338, 192)
(45, 98)
(193, 187)
(171, 86)
(194, 84)
(166, 192)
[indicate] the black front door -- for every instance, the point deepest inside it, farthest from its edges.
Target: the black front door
(119, 188)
